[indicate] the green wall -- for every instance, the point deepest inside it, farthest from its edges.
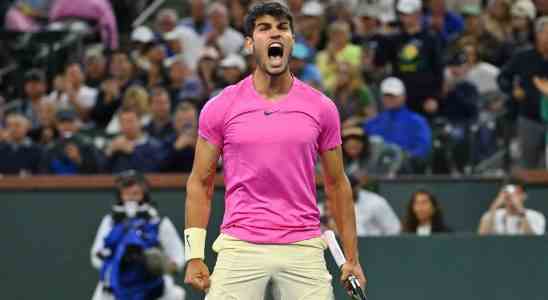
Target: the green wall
(48, 235)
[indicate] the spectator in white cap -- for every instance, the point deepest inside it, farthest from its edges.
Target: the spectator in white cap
(232, 68)
(310, 24)
(400, 126)
(415, 56)
(183, 41)
(523, 13)
(221, 35)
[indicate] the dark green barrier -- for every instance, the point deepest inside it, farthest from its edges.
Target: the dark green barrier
(47, 238)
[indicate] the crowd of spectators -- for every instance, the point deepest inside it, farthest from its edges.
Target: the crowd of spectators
(422, 87)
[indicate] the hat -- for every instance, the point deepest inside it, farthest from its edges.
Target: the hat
(353, 132)
(66, 115)
(392, 86)
(525, 9)
(300, 51)
(368, 10)
(312, 9)
(457, 59)
(470, 10)
(129, 178)
(142, 34)
(233, 61)
(175, 34)
(35, 75)
(409, 6)
(210, 52)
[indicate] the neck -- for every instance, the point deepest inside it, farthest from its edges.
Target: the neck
(134, 137)
(416, 28)
(161, 120)
(424, 222)
(36, 99)
(272, 87)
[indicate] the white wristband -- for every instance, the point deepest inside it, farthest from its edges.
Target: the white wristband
(195, 239)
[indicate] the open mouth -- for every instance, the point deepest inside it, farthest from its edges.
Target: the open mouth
(275, 53)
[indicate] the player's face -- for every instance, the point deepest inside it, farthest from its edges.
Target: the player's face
(272, 43)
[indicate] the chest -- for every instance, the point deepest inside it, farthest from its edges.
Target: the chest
(280, 127)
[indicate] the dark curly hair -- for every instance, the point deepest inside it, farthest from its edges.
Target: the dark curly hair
(411, 222)
(266, 8)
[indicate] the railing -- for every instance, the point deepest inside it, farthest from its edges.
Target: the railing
(50, 182)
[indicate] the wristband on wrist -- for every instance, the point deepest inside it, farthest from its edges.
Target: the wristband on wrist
(195, 243)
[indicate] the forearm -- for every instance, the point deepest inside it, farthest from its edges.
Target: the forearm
(340, 196)
(198, 202)
(487, 224)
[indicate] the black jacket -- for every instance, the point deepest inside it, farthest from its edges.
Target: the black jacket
(417, 60)
(521, 69)
(17, 158)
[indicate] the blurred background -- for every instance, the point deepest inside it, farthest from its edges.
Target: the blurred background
(443, 104)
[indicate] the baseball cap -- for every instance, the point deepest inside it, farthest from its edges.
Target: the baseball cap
(130, 177)
(409, 6)
(300, 51)
(457, 59)
(233, 61)
(353, 132)
(35, 75)
(312, 9)
(470, 10)
(392, 86)
(142, 34)
(368, 10)
(525, 9)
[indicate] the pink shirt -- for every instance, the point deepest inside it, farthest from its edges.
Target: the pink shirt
(269, 151)
(94, 10)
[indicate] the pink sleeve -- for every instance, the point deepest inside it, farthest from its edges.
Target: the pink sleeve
(210, 125)
(109, 28)
(330, 136)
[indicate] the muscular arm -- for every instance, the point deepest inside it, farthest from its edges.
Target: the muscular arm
(200, 185)
(339, 195)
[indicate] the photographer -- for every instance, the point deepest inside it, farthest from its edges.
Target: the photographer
(508, 216)
(135, 249)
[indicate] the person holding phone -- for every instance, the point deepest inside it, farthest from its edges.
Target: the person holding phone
(507, 215)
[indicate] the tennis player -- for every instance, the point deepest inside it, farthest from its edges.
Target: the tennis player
(270, 129)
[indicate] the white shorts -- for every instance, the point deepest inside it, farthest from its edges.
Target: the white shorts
(243, 270)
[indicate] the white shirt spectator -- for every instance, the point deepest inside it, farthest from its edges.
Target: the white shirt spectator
(508, 224)
(231, 41)
(484, 76)
(86, 97)
(170, 243)
(374, 216)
